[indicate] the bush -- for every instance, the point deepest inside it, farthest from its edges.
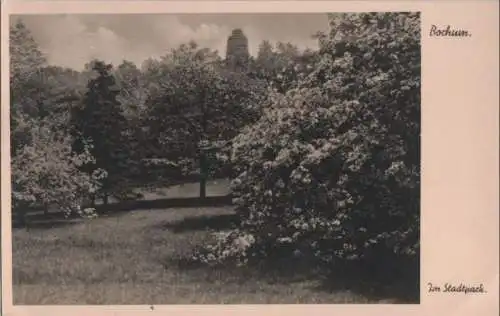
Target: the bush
(230, 246)
(331, 170)
(46, 172)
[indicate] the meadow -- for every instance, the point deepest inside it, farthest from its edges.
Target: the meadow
(138, 257)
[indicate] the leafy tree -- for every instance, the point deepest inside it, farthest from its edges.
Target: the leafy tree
(132, 97)
(25, 54)
(129, 79)
(44, 170)
(331, 169)
(197, 104)
(37, 90)
(26, 62)
(101, 121)
(282, 66)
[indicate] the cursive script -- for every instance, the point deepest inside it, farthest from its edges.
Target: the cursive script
(448, 31)
(455, 288)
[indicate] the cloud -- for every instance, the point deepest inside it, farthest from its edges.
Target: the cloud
(73, 40)
(171, 32)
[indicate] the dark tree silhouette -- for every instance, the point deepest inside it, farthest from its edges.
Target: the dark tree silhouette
(100, 120)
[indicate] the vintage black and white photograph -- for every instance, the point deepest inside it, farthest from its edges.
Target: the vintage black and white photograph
(229, 158)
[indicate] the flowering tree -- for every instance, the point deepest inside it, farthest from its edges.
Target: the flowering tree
(332, 167)
(47, 169)
(46, 172)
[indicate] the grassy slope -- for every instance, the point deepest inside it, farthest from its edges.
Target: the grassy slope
(133, 258)
(130, 259)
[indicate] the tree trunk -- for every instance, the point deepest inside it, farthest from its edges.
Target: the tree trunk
(203, 158)
(21, 218)
(105, 198)
(203, 175)
(45, 209)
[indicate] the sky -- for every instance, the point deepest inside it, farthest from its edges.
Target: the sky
(73, 40)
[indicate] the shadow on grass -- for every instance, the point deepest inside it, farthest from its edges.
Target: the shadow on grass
(45, 224)
(194, 223)
(397, 284)
(277, 271)
(39, 220)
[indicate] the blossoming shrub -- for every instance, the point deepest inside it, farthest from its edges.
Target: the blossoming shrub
(331, 170)
(230, 246)
(46, 172)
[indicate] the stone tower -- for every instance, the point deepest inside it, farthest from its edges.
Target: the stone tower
(237, 50)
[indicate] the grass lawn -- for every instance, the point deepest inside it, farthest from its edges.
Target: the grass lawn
(131, 258)
(135, 257)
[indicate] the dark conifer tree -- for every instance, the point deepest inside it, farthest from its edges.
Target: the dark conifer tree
(100, 120)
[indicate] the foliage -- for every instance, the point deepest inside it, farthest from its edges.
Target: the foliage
(44, 169)
(46, 172)
(195, 102)
(25, 55)
(132, 92)
(48, 92)
(332, 167)
(26, 60)
(282, 66)
(101, 121)
(233, 245)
